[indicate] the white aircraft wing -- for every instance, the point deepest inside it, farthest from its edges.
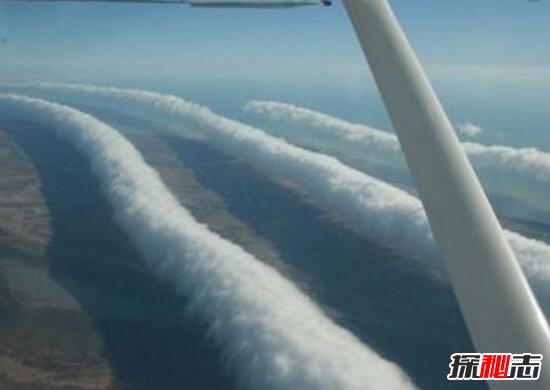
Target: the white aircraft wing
(256, 3)
(218, 3)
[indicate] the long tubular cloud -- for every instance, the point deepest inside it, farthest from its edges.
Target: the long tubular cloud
(274, 335)
(378, 139)
(526, 160)
(383, 212)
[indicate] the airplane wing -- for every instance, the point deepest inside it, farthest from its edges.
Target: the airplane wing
(257, 3)
(217, 3)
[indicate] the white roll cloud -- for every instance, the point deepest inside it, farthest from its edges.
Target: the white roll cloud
(274, 336)
(529, 161)
(383, 212)
(381, 140)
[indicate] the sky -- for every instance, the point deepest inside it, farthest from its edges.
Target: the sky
(60, 40)
(488, 59)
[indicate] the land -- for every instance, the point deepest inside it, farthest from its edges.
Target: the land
(77, 306)
(80, 310)
(47, 341)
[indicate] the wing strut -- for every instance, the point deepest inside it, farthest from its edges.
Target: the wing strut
(498, 305)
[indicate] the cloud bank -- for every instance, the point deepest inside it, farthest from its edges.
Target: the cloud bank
(383, 212)
(529, 161)
(274, 336)
(377, 139)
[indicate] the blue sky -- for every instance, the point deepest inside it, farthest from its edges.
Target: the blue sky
(489, 59)
(60, 40)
